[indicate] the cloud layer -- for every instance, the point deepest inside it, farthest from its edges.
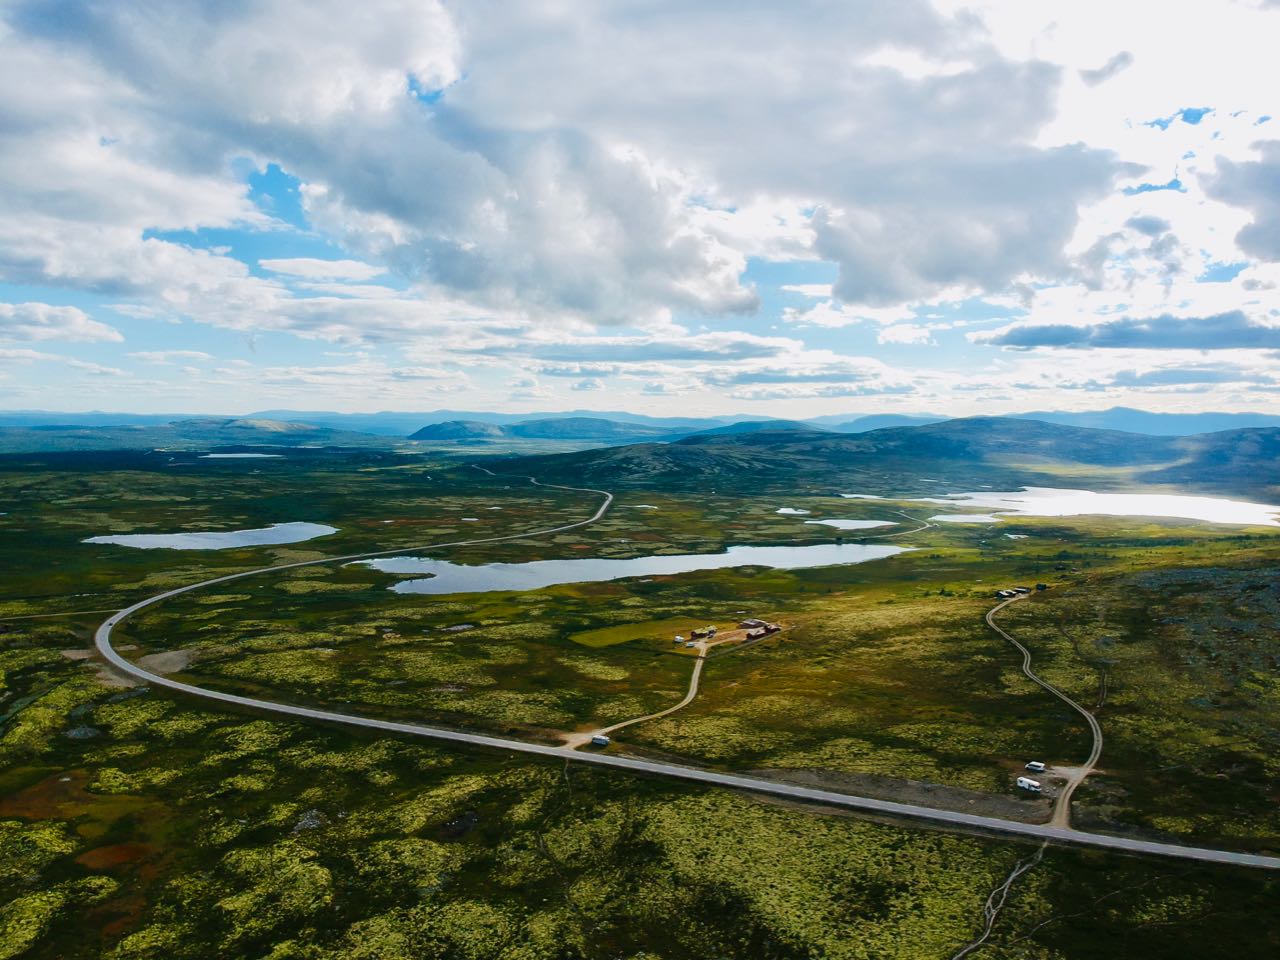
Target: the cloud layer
(714, 203)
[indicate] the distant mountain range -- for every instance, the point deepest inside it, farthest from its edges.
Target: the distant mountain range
(200, 433)
(552, 428)
(756, 455)
(586, 425)
(998, 452)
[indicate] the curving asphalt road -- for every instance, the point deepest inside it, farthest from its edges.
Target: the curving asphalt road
(945, 818)
(1062, 805)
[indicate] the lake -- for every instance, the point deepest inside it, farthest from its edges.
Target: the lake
(446, 577)
(220, 539)
(1054, 502)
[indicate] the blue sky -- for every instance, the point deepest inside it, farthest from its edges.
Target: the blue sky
(835, 207)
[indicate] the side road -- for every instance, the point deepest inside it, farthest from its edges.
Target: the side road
(1062, 805)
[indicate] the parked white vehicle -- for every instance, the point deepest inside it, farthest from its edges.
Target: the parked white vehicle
(1026, 783)
(1035, 766)
(599, 740)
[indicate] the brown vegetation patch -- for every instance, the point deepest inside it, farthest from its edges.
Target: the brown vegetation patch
(935, 795)
(114, 855)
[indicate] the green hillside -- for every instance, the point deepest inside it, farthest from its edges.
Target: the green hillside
(968, 453)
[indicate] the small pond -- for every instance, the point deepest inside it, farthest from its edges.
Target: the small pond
(220, 539)
(852, 524)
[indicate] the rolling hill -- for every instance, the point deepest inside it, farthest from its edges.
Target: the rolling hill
(962, 454)
(462, 430)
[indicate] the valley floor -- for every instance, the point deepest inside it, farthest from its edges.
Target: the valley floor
(182, 831)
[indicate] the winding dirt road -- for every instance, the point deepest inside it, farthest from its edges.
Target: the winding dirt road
(573, 741)
(1062, 803)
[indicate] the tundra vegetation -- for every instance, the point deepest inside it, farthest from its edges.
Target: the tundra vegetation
(134, 824)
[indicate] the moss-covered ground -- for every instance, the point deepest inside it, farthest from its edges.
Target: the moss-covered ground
(136, 825)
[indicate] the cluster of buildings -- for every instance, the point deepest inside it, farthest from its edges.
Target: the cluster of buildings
(758, 628)
(1019, 591)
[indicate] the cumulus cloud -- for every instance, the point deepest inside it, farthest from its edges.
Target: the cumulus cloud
(525, 174)
(833, 314)
(612, 169)
(41, 321)
(1254, 185)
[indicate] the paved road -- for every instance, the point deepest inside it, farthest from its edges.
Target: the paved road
(945, 818)
(1062, 805)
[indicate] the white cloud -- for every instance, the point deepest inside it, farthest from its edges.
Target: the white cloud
(907, 333)
(169, 356)
(814, 291)
(833, 314)
(312, 269)
(97, 369)
(41, 321)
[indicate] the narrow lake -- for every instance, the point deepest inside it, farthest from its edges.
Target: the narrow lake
(446, 577)
(220, 539)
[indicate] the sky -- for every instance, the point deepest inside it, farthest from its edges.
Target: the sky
(859, 206)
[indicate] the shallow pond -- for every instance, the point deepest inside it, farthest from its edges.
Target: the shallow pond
(220, 539)
(446, 577)
(851, 524)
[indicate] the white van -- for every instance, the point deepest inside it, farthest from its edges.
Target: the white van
(1026, 783)
(599, 740)
(1035, 766)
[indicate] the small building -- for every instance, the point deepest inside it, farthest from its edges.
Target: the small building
(1026, 783)
(1035, 766)
(751, 623)
(702, 634)
(771, 628)
(1042, 586)
(600, 740)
